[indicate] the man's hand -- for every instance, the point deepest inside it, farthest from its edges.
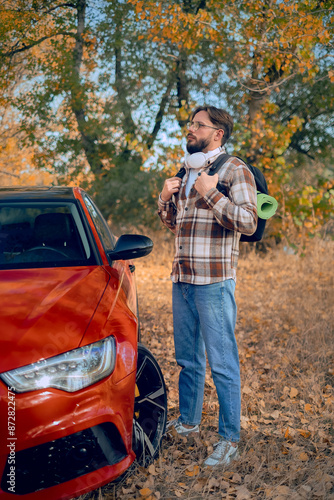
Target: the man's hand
(171, 186)
(205, 182)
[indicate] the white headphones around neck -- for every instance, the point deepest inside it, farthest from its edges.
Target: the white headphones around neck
(198, 160)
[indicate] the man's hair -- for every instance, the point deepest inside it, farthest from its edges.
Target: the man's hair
(219, 118)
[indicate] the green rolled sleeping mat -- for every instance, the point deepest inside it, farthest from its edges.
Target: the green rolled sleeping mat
(266, 205)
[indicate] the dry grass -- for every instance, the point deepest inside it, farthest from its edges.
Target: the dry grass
(285, 338)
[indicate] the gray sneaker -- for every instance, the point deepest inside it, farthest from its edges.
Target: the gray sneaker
(180, 429)
(223, 454)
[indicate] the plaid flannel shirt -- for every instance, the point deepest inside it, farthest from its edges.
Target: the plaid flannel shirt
(208, 229)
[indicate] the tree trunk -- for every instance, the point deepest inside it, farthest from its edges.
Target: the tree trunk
(182, 86)
(256, 99)
(89, 140)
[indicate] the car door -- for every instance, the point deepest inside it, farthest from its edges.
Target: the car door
(122, 270)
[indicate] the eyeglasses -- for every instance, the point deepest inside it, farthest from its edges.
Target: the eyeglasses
(196, 125)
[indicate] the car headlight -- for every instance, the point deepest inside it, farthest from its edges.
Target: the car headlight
(69, 372)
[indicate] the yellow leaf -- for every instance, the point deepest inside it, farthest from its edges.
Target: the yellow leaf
(293, 392)
(304, 433)
(183, 485)
(308, 408)
(145, 492)
(289, 433)
(303, 457)
(193, 470)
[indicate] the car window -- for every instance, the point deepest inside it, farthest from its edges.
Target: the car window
(105, 234)
(39, 234)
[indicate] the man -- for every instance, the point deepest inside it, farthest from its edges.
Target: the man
(207, 227)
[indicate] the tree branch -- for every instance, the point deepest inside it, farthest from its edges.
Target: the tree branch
(299, 149)
(262, 85)
(7, 173)
(68, 4)
(38, 42)
(161, 112)
(128, 123)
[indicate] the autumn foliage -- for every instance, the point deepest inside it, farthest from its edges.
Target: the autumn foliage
(99, 94)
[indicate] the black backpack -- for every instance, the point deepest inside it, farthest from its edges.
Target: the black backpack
(261, 186)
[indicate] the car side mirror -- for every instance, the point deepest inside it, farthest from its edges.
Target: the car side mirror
(131, 246)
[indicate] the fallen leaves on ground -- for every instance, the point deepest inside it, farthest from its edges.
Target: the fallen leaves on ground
(285, 337)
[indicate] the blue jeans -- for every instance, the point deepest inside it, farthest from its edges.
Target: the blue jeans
(204, 320)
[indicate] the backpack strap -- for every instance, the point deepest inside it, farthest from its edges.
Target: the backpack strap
(215, 167)
(181, 173)
(219, 162)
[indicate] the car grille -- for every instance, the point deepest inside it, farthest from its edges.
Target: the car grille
(65, 458)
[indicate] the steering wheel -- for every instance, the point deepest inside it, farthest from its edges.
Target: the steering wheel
(47, 248)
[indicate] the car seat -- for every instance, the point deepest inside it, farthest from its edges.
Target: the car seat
(55, 230)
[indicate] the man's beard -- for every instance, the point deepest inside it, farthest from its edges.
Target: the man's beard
(198, 146)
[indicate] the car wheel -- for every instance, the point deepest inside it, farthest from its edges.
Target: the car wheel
(150, 410)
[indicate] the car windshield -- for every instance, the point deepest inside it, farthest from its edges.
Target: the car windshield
(43, 235)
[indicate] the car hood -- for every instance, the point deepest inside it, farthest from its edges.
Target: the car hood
(44, 312)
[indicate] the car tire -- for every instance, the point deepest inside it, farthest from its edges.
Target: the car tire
(150, 410)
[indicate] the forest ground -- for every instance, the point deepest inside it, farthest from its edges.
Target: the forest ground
(286, 349)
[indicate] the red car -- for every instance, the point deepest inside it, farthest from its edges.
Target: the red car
(80, 398)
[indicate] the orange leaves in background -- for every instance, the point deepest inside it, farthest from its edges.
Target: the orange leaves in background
(170, 22)
(17, 166)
